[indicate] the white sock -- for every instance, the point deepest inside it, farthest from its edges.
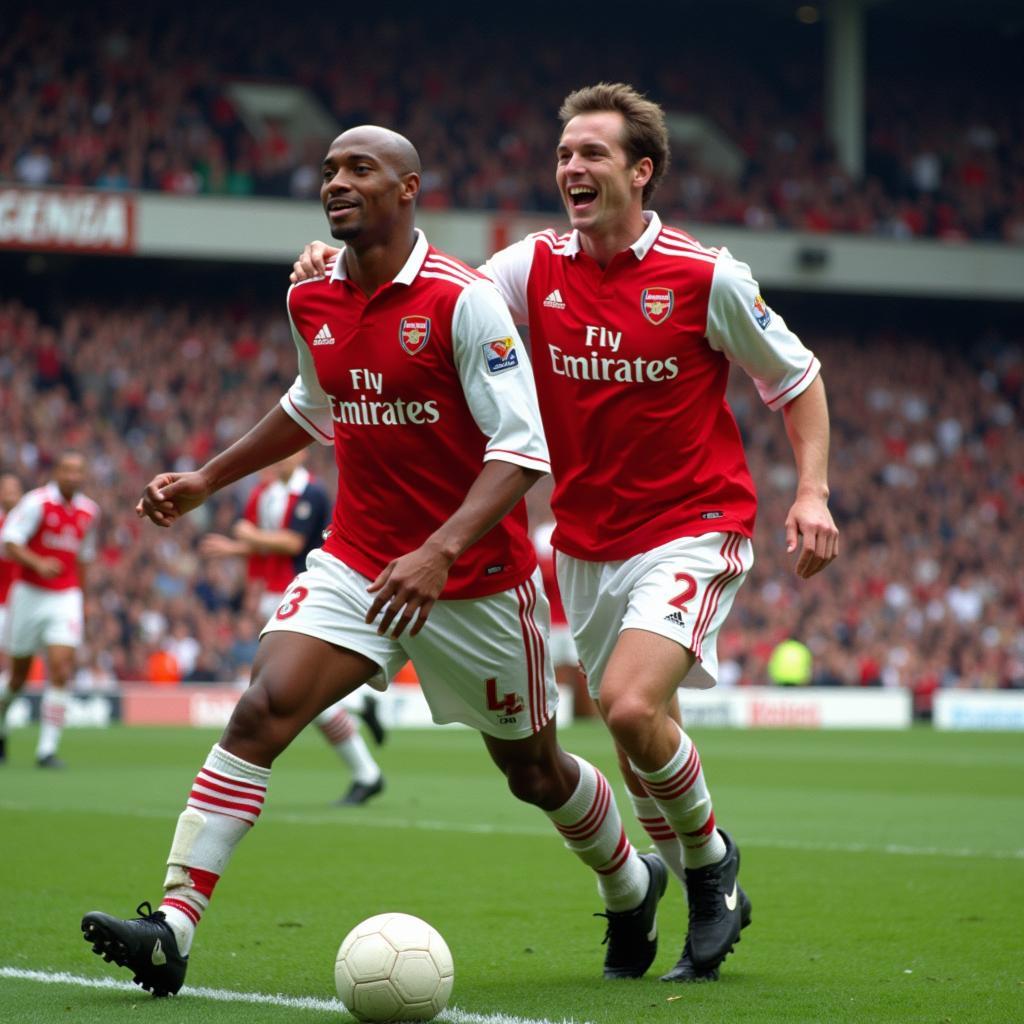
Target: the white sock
(226, 799)
(341, 732)
(591, 827)
(52, 711)
(665, 841)
(679, 790)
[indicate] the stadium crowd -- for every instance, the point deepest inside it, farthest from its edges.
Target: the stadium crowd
(142, 100)
(927, 487)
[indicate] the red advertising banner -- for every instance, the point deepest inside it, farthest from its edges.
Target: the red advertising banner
(67, 220)
(202, 706)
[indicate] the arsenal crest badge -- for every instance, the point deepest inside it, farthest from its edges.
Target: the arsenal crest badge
(657, 304)
(413, 333)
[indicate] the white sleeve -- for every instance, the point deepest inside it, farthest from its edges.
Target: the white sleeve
(509, 269)
(497, 379)
(87, 552)
(23, 520)
(749, 333)
(305, 401)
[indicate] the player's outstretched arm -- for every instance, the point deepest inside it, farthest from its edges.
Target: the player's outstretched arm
(268, 542)
(408, 587)
(46, 566)
(312, 262)
(809, 518)
(169, 496)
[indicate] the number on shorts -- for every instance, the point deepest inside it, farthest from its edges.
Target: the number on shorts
(290, 605)
(687, 593)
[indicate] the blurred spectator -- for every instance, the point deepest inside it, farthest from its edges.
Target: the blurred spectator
(928, 445)
(146, 104)
(791, 664)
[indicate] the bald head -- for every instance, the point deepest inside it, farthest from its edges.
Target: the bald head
(387, 146)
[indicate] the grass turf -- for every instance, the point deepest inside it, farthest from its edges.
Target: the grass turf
(885, 871)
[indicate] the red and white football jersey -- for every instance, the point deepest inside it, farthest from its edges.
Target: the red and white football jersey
(416, 386)
(269, 505)
(631, 364)
(8, 568)
(48, 525)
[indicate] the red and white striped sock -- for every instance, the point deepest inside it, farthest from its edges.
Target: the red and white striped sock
(590, 824)
(226, 799)
(682, 796)
(665, 841)
(342, 733)
(52, 712)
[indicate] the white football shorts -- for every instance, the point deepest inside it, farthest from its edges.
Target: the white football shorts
(682, 590)
(39, 618)
(269, 600)
(483, 662)
(563, 647)
(5, 644)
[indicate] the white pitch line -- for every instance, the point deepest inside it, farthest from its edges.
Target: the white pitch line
(453, 1015)
(464, 828)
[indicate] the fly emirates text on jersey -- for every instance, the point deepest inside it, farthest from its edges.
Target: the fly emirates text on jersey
(366, 411)
(594, 365)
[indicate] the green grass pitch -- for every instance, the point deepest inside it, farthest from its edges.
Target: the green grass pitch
(886, 872)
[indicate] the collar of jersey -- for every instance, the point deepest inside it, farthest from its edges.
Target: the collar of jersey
(641, 247)
(406, 275)
(299, 480)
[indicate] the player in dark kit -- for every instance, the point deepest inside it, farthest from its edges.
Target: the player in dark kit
(410, 365)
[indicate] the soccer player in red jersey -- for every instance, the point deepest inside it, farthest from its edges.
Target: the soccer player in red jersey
(50, 535)
(10, 495)
(410, 365)
(633, 326)
(284, 520)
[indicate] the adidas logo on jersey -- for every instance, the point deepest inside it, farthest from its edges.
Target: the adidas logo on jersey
(324, 336)
(554, 300)
(676, 619)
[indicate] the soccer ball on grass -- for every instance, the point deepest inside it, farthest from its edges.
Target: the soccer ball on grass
(394, 967)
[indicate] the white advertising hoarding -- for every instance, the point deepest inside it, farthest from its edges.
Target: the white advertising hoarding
(979, 709)
(803, 707)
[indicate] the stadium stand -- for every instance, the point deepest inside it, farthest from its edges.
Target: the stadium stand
(927, 485)
(148, 105)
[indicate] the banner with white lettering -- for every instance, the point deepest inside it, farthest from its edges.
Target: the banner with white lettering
(67, 220)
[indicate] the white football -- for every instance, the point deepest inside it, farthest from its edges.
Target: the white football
(394, 967)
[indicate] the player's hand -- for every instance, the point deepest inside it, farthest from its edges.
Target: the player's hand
(169, 496)
(312, 262)
(244, 530)
(408, 588)
(49, 567)
(810, 519)
(216, 545)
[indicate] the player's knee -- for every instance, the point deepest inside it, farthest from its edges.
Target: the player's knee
(60, 667)
(631, 720)
(251, 716)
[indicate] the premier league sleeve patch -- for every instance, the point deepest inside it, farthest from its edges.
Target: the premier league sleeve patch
(762, 314)
(500, 355)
